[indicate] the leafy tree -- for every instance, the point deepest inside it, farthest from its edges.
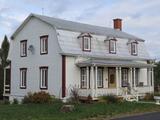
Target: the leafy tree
(4, 52)
(4, 62)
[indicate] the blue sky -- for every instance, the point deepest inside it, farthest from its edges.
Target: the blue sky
(140, 17)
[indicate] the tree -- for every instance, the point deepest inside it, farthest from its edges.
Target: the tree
(4, 62)
(4, 52)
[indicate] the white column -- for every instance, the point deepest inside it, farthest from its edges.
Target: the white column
(4, 81)
(134, 77)
(92, 81)
(117, 81)
(131, 78)
(120, 77)
(152, 78)
(87, 77)
(96, 81)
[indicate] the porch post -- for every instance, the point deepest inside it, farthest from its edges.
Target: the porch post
(120, 77)
(4, 81)
(87, 77)
(117, 81)
(131, 78)
(134, 78)
(92, 81)
(152, 77)
(96, 80)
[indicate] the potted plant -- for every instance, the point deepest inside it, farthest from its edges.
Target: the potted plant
(157, 98)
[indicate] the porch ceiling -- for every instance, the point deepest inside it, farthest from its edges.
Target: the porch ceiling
(114, 63)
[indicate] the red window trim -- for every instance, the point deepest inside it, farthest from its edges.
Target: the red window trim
(44, 67)
(23, 41)
(83, 43)
(44, 36)
(111, 52)
(24, 87)
(136, 49)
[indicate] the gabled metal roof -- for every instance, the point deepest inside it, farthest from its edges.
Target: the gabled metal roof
(79, 27)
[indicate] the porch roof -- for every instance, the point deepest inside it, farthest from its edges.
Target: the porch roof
(115, 63)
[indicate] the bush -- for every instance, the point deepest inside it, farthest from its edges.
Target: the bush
(148, 97)
(15, 101)
(109, 99)
(6, 101)
(157, 94)
(37, 97)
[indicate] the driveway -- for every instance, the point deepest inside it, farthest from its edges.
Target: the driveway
(148, 116)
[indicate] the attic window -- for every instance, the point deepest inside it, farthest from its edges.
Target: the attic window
(86, 41)
(112, 46)
(134, 48)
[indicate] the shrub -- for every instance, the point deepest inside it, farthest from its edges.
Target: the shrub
(15, 101)
(6, 101)
(74, 95)
(148, 96)
(157, 94)
(109, 98)
(37, 97)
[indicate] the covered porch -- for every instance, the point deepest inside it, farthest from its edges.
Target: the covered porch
(102, 77)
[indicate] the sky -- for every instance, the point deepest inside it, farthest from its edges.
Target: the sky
(140, 17)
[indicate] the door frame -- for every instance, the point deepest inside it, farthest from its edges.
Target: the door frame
(109, 77)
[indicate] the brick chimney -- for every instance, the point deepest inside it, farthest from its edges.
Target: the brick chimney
(117, 24)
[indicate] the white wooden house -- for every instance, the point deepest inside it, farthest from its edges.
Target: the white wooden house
(55, 55)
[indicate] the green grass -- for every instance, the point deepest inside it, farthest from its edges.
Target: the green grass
(52, 111)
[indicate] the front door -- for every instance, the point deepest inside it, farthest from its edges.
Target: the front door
(111, 77)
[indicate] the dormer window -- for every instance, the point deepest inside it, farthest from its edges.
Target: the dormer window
(86, 41)
(134, 48)
(112, 46)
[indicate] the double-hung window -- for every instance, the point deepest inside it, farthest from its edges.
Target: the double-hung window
(23, 48)
(23, 78)
(83, 77)
(112, 46)
(100, 77)
(134, 49)
(86, 43)
(44, 44)
(124, 77)
(43, 77)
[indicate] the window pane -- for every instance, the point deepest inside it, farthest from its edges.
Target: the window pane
(100, 77)
(83, 77)
(86, 43)
(44, 44)
(112, 46)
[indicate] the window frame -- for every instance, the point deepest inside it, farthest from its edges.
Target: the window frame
(135, 51)
(23, 85)
(45, 46)
(23, 51)
(100, 68)
(89, 43)
(46, 77)
(126, 75)
(83, 76)
(115, 49)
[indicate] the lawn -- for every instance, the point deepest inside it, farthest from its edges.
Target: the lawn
(52, 111)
